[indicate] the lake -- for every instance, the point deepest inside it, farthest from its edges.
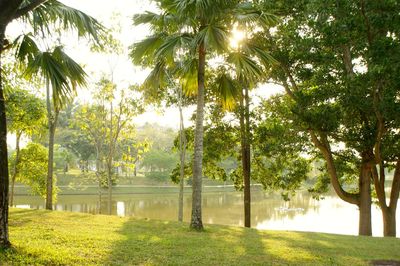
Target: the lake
(269, 211)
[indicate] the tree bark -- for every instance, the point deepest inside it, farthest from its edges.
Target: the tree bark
(389, 212)
(4, 178)
(15, 173)
(389, 222)
(196, 220)
(364, 205)
(182, 147)
(98, 176)
(245, 148)
(49, 186)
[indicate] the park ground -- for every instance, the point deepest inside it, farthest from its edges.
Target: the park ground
(42, 237)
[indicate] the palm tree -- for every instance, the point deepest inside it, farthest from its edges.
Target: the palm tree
(188, 29)
(61, 75)
(191, 29)
(42, 15)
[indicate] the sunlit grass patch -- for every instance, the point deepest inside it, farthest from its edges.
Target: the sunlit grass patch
(62, 238)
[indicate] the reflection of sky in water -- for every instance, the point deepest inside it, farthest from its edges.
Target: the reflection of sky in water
(121, 208)
(269, 211)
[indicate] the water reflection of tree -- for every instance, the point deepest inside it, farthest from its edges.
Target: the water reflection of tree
(220, 207)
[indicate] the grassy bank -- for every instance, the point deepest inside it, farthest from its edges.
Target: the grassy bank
(57, 238)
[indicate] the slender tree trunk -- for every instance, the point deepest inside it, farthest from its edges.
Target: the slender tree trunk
(245, 148)
(15, 173)
(4, 178)
(182, 148)
(196, 220)
(365, 227)
(109, 183)
(49, 186)
(52, 121)
(98, 175)
(110, 161)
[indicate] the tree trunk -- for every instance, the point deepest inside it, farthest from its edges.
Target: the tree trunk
(15, 173)
(364, 205)
(4, 178)
(182, 148)
(389, 222)
(52, 121)
(196, 220)
(389, 213)
(98, 175)
(109, 184)
(245, 148)
(49, 186)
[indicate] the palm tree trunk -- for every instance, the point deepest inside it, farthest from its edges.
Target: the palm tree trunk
(110, 161)
(109, 183)
(245, 143)
(15, 172)
(98, 176)
(4, 178)
(196, 220)
(52, 121)
(182, 147)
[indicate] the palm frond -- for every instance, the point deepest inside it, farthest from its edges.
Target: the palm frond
(75, 73)
(171, 45)
(143, 52)
(188, 75)
(155, 81)
(214, 36)
(158, 22)
(227, 91)
(26, 48)
(60, 71)
(246, 68)
(53, 13)
(264, 57)
(250, 13)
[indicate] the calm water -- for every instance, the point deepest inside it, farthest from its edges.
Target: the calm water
(269, 211)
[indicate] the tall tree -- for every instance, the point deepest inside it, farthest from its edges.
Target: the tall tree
(61, 75)
(191, 29)
(105, 123)
(337, 65)
(40, 14)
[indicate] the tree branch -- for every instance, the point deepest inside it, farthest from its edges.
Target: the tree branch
(31, 6)
(324, 147)
(394, 195)
(380, 191)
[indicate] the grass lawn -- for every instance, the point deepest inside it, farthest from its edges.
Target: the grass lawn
(62, 238)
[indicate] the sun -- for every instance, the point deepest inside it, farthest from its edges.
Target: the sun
(236, 38)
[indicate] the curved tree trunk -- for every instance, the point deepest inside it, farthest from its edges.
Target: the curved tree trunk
(15, 173)
(4, 179)
(389, 213)
(196, 220)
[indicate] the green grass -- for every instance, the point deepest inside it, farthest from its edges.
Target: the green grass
(61, 238)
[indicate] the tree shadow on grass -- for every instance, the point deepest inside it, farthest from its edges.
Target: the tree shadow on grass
(172, 243)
